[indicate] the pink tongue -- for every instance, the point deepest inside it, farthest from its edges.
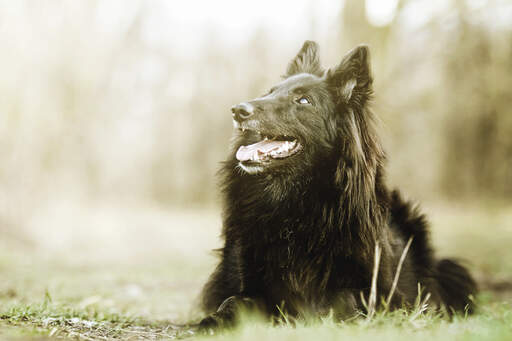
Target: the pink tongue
(245, 153)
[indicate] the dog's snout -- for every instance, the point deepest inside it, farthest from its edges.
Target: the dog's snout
(242, 111)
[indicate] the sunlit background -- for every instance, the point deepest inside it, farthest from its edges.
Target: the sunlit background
(114, 115)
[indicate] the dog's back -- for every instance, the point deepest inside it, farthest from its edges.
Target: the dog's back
(448, 282)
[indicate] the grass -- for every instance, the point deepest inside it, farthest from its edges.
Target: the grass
(492, 322)
(120, 289)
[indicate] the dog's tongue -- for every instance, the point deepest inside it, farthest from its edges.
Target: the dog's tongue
(264, 150)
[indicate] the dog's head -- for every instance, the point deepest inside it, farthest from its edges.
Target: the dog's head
(307, 117)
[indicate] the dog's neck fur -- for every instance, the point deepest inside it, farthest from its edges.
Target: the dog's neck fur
(356, 193)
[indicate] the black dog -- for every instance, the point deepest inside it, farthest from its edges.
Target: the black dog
(305, 205)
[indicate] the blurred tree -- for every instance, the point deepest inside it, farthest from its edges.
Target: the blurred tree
(478, 121)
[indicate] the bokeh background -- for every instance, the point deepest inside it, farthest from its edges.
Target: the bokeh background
(114, 117)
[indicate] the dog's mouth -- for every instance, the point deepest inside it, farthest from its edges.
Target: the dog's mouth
(268, 148)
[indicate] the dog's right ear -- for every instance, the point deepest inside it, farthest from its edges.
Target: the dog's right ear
(306, 61)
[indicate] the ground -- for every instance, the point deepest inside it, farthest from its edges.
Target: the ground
(102, 272)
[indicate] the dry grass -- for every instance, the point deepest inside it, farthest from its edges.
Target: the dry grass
(398, 270)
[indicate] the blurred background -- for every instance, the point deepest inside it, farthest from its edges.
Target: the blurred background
(114, 116)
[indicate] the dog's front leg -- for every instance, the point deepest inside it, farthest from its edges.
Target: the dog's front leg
(228, 313)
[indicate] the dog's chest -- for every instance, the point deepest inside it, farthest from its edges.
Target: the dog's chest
(293, 268)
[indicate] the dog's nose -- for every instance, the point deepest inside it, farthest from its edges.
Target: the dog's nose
(242, 111)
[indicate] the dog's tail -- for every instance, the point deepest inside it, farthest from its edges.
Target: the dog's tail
(456, 286)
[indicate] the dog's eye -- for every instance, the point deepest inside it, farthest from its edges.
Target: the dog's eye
(303, 100)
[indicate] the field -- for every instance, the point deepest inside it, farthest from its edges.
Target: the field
(98, 272)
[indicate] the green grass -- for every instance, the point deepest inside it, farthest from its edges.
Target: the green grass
(492, 324)
(90, 294)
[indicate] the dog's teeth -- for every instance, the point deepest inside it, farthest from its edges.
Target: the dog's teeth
(265, 139)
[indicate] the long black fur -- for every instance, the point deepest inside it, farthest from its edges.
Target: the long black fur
(301, 234)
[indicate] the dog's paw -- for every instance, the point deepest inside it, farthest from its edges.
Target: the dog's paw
(209, 325)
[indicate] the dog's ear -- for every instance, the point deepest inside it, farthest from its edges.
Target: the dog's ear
(306, 61)
(351, 79)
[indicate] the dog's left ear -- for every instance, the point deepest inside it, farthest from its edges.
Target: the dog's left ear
(306, 61)
(351, 79)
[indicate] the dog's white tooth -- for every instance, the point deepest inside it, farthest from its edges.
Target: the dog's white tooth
(265, 139)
